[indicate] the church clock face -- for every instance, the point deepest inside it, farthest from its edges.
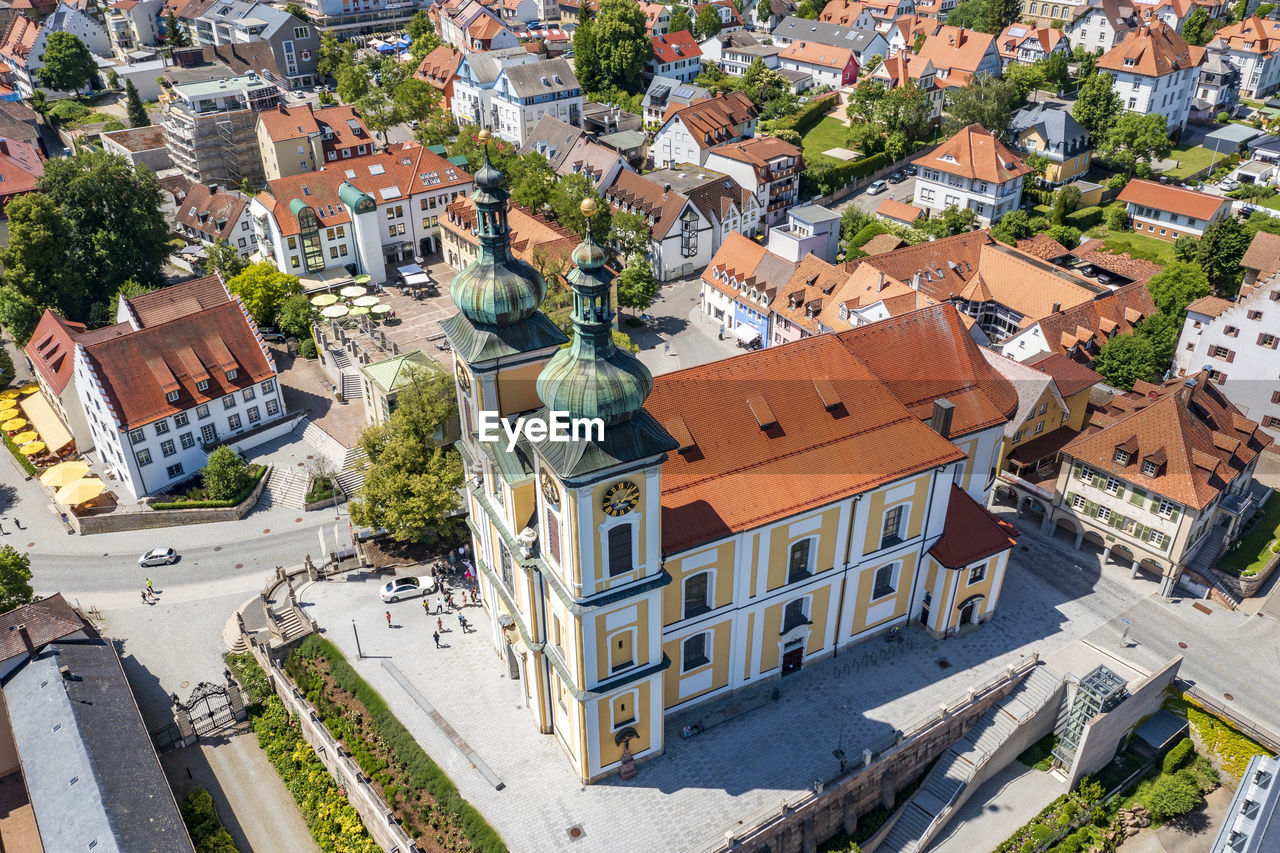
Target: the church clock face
(550, 490)
(621, 498)
(464, 381)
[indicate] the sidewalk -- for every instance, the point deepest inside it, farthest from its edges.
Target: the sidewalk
(995, 811)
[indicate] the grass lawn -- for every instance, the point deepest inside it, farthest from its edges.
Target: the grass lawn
(1190, 160)
(1039, 756)
(826, 134)
(1252, 552)
(1137, 245)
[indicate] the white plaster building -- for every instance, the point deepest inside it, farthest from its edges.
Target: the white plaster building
(23, 45)
(971, 170)
(1252, 46)
(682, 238)
(508, 91)
(691, 131)
(133, 24)
(766, 167)
(1155, 71)
(1098, 24)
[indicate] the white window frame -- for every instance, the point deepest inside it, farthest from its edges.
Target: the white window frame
(1112, 486)
(1078, 501)
(1165, 508)
(1104, 513)
(707, 651)
(895, 569)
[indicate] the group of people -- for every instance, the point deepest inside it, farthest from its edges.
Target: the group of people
(149, 595)
(456, 569)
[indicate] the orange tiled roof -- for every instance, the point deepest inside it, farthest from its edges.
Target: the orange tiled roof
(970, 533)
(897, 210)
(286, 122)
(1210, 305)
(758, 151)
(1252, 35)
(1263, 254)
(673, 47)
(1152, 50)
(1071, 330)
(1071, 377)
(821, 55)
(1198, 439)
(842, 13)
(1197, 205)
(21, 167)
(18, 39)
(528, 231)
(801, 299)
(47, 620)
(714, 120)
(439, 66)
(1014, 35)
(902, 67)
(1043, 247)
(956, 48)
(866, 287)
(170, 303)
(52, 349)
(209, 212)
(976, 154)
(632, 191)
(882, 243)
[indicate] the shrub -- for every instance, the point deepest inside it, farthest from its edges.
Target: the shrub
(23, 461)
(828, 177)
(196, 499)
(1039, 224)
(307, 349)
(1177, 757)
(1067, 235)
(871, 229)
(6, 367)
(206, 831)
(225, 474)
(803, 119)
(1171, 796)
(1085, 218)
(1117, 181)
(114, 124)
(787, 135)
(1117, 217)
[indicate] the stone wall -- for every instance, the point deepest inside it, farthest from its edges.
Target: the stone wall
(801, 827)
(1247, 587)
(114, 522)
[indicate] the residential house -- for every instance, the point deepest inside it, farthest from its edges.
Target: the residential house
(553, 138)
(1027, 45)
(736, 55)
(520, 13)
(521, 92)
(667, 92)
(960, 55)
(721, 200)
(1097, 25)
(602, 165)
(1078, 332)
(1236, 341)
(740, 289)
(905, 68)
(373, 212)
(472, 27)
(848, 13)
(827, 65)
(937, 10)
(534, 239)
(1155, 71)
(207, 214)
(1160, 473)
(869, 296)
(688, 133)
(477, 75)
(346, 18)
(141, 146)
(907, 29)
(21, 167)
(896, 211)
(18, 121)
(1250, 824)
(22, 47)
(293, 140)
(765, 166)
(1169, 212)
(1218, 90)
(779, 10)
(730, 20)
(1052, 132)
(210, 125)
(133, 25)
(657, 17)
(1174, 13)
(1253, 47)
(810, 230)
(682, 238)
(440, 69)
(713, 47)
(676, 56)
(865, 43)
(294, 43)
(972, 170)
(796, 311)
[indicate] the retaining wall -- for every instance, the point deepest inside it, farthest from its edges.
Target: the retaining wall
(114, 522)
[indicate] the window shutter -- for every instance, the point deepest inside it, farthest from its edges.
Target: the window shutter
(1137, 497)
(1231, 356)
(553, 537)
(1155, 504)
(620, 549)
(1173, 516)
(1090, 509)
(1140, 532)
(1120, 491)
(1117, 520)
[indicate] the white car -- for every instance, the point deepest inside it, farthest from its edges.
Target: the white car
(394, 590)
(877, 187)
(158, 557)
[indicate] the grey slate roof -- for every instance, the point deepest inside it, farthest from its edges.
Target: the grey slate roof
(90, 768)
(487, 65)
(1064, 136)
(802, 29)
(664, 91)
(813, 214)
(553, 138)
(541, 78)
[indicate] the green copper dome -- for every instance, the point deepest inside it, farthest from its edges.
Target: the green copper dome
(592, 378)
(496, 289)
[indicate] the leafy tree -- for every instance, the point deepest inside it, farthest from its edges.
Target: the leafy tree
(40, 272)
(1125, 359)
(15, 579)
(904, 110)
(175, 33)
(1136, 138)
(353, 83)
(566, 200)
(637, 286)
(863, 99)
(411, 482)
(1161, 331)
(1239, 10)
(1067, 235)
(621, 25)
(1177, 286)
(68, 64)
(330, 57)
(809, 10)
(680, 20)
(379, 111)
(587, 63)
(1194, 29)
(133, 103)
(1172, 795)
(1097, 106)
(630, 232)
(416, 99)
(1012, 227)
(223, 258)
(1056, 69)
(422, 33)
(1221, 248)
(872, 64)
(761, 83)
(988, 101)
(438, 128)
(1117, 218)
(980, 15)
(533, 182)
(853, 220)
(764, 11)
(225, 474)
(1065, 202)
(294, 318)
(708, 23)
(263, 289)
(1025, 78)
(1087, 67)
(298, 12)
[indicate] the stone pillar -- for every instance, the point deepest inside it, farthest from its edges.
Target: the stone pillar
(1079, 539)
(810, 842)
(1046, 526)
(1106, 554)
(850, 815)
(1133, 572)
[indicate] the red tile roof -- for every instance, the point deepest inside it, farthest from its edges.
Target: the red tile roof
(634, 192)
(975, 153)
(170, 303)
(970, 533)
(1197, 205)
(1210, 305)
(1252, 35)
(673, 47)
(1043, 247)
(815, 53)
(18, 39)
(209, 212)
(439, 66)
(1070, 377)
(1263, 254)
(714, 120)
(1152, 50)
(21, 167)
(47, 620)
(52, 349)
(897, 210)
(1011, 40)
(1079, 331)
(956, 48)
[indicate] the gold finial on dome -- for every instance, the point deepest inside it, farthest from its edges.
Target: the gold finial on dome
(484, 136)
(588, 207)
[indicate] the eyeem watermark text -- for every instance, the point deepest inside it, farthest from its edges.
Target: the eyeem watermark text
(558, 427)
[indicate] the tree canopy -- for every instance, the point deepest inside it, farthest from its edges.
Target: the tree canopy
(133, 104)
(637, 285)
(263, 288)
(1125, 359)
(15, 579)
(68, 64)
(566, 200)
(1136, 138)
(1097, 106)
(680, 20)
(1177, 286)
(621, 25)
(1219, 252)
(988, 101)
(223, 258)
(225, 474)
(708, 23)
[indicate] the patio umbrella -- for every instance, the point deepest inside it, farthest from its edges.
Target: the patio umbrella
(24, 437)
(365, 301)
(333, 312)
(13, 425)
(11, 394)
(80, 491)
(63, 473)
(7, 405)
(31, 448)
(351, 291)
(29, 388)
(380, 309)
(324, 299)
(359, 309)
(362, 279)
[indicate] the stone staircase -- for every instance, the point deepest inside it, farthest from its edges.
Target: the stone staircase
(347, 461)
(351, 386)
(352, 476)
(285, 487)
(944, 789)
(339, 358)
(1203, 564)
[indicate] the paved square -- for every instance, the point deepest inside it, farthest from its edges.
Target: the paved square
(733, 770)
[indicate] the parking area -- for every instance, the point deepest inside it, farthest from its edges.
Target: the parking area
(864, 201)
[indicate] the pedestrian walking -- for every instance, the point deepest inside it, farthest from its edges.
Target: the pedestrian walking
(388, 618)
(439, 624)
(462, 623)
(426, 607)
(440, 605)
(453, 558)
(144, 596)
(149, 589)
(435, 636)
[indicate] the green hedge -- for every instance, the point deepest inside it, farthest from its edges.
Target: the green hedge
(423, 772)
(253, 483)
(1038, 195)
(1085, 218)
(871, 229)
(6, 366)
(22, 460)
(1176, 757)
(803, 119)
(206, 831)
(828, 177)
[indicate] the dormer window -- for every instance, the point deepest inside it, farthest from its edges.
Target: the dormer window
(202, 385)
(1149, 468)
(172, 396)
(232, 374)
(1122, 457)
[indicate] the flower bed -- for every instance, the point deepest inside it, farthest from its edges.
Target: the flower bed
(1254, 550)
(423, 797)
(194, 500)
(321, 490)
(23, 461)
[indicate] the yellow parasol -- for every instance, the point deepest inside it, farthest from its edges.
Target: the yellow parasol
(25, 437)
(351, 291)
(31, 448)
(380, 308)
(29, 388)
(64, 472)
(13, 425)
(8, 406)
(11, 394)
(80, 491)
(363, 279)
(324, 299)
(333, 312)
(359, 309)
(365, 301)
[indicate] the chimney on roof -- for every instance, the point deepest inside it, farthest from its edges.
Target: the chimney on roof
(915, 280)
(940, 421)
(879, 280)
(1057, 306)
(26, 640)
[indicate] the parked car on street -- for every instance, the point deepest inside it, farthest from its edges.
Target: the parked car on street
(911, 170)
(898, 177)
(270, 335)
(407, 587)
(877, 187)
(158, 557)
(1229, 184)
